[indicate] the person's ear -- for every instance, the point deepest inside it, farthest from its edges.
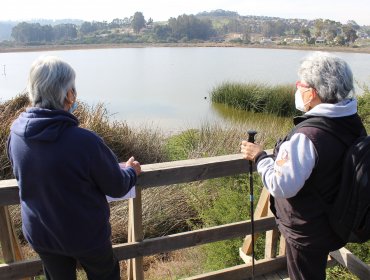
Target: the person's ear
(70, 98)
(315, 96)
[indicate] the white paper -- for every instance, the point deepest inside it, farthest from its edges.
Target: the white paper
(130, 194)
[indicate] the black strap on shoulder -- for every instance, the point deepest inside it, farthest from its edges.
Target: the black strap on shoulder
(323, 123)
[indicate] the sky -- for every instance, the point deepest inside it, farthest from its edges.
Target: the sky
(162, 10)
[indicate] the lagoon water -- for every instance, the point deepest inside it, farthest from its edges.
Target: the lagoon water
(166, 87)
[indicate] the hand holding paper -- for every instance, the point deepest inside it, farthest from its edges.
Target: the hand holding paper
(134, 164)
(132, 193)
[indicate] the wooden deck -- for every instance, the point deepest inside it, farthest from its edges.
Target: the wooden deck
(273, 266)
(280, 275)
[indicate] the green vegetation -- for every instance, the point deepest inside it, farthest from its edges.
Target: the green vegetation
(146, 144)
(277, 100)
(215, 26)
(227, 201)
(364, 106)
(256, 97)
(199, 204)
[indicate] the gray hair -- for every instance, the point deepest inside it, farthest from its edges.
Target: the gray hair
(49, 80)
(331, 76)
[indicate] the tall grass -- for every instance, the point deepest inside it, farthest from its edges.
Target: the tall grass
(146, 144)
(256, 97)
(364, 106)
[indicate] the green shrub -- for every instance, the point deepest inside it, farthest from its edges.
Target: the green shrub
(222, 201)
(255, 97)
(364, 107)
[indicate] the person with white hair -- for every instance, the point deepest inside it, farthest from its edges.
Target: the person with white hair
(308, 163)
(64, 174)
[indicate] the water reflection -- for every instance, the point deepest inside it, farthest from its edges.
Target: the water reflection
(241, 116)
(267, 124)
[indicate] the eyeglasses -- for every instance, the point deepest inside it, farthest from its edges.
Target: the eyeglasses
(299, 84)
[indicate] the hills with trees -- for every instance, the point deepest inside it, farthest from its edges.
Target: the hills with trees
(215, 26)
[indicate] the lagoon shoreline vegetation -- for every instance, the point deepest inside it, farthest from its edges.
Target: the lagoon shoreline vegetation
(218, 28)
(199, 204)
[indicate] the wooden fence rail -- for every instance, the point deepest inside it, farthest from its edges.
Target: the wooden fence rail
(161, 174)
(169, 173)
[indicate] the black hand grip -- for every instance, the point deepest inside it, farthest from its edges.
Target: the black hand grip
(251, 134)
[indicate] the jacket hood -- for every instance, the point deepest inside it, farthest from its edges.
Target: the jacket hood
(343, 116)
(343, 108)
(42, 124)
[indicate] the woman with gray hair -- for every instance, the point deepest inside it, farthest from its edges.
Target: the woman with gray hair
(307, 163)
(64, 174)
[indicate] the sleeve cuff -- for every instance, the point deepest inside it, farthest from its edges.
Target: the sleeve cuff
(132, 172)
(260, 157)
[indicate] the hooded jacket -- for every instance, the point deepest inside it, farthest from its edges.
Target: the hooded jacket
(64, 173)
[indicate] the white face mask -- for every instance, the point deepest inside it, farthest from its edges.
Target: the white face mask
(299, 101)
(73, 107)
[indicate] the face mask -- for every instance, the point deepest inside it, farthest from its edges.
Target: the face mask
(73, 107)
(299, 101)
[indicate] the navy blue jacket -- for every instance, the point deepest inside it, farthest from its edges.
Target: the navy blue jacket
(64, 172)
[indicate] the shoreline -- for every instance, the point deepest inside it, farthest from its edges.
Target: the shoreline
(177, 45)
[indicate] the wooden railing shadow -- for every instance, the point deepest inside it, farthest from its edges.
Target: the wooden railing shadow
(169, 173)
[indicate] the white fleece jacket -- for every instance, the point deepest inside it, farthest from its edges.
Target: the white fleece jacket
(286, 175)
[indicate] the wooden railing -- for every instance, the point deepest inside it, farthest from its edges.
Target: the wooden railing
(156, 175)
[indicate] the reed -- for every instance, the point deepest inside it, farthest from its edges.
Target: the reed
(256, 97)
(146, 144)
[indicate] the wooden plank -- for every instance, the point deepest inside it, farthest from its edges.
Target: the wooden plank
(246, 258)
(130, 233)
(137, 232)
(20, 269)
(272, 237)
(168, 173)
(155, 245)
(261, 211)
(350, 261)
(272, 276)
(283, 274)
(243, 271)
(162, 174)
(8, 245)
(192, 238)
(282, 246)
(9, 192)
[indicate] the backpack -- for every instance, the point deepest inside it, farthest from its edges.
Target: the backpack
(349, 214)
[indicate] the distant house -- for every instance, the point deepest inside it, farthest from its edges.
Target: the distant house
(297, 41)
(234, 36)
(362, 35)
(320, 41)
(266, 41)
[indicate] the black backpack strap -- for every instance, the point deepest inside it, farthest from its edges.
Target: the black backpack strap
(324, 123)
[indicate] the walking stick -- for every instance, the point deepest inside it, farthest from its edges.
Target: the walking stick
(251, 134)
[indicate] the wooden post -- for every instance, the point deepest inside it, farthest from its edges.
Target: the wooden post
(261, 211)
(135, 234)
(282, 246)
(130, 274)
(350, 261)
(9, 241)
(272, 237)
